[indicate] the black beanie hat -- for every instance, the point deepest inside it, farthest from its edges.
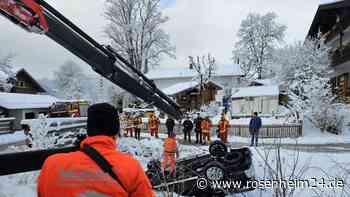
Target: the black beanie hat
(102, 119)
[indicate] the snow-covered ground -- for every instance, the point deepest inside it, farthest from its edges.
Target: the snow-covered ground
(12, 138)
(313, 165)
(311, 135)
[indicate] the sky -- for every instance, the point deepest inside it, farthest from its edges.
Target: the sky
(196, 27)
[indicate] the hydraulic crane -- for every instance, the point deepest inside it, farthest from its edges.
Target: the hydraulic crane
(37, 16)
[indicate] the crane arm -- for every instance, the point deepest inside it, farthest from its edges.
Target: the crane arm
(37, 16)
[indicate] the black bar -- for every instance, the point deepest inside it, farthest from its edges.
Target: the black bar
(103, 65)
(13, 163)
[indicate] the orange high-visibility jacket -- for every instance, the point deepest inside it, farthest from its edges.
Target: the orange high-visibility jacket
(75, 174)
(170, 145)
(224, 125)
(206, 126)
(154, 123)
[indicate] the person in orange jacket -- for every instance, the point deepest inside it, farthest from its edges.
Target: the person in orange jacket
(206, 128)
(78, 174)
(170, 151)
(153, 125)
(224, 125)
(130, 125)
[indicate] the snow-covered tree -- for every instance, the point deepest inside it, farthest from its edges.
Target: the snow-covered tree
(70, 81)
(116, 96)
(205, 67)
(303, 70)
(258, 36)
(7, 76)
(135, 31)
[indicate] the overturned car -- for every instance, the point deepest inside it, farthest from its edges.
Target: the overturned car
(218, 173)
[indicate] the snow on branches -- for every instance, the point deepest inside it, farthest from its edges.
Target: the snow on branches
(135, 31)
(258, 37)
(69, 79)
(7, 76)
(205, 68)
(303, 70)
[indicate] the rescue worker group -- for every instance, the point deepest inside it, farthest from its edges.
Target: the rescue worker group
(131, 124)
(80, 173)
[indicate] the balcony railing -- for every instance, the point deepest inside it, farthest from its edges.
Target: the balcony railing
(341, 55)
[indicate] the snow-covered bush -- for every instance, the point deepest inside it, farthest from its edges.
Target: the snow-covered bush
(39, 131)
(322, 110)
(303, 70)
(7, 75)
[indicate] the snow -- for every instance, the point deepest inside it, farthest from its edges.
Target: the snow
(311, 135)
(12, 138)
(3, 76)
(185, 72)
(25, 101)
(255, 91)
(152, 148)
(179, 87)
(316, 165)
(266, 82)
(329, 1)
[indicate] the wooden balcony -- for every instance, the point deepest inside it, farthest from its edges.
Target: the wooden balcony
(341, 55)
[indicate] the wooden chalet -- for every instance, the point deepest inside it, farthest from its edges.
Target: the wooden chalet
(188, 96)
(332, 24)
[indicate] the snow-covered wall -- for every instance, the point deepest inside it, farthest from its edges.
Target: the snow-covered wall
(263, 105)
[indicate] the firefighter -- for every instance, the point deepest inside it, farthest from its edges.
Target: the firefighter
(198, 128)
(206, 128)
(224, 125)
(170, 152)
(130, 125)
(153, 125)
(123, 124)
(137, 126)
(97, 169)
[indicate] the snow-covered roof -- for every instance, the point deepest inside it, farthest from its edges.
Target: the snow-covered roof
(256, 91)
(322, 2)
(264, 81)
(25, 101)
(180, 87)
(183, 72)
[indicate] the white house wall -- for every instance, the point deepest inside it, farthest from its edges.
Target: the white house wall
(19, 114)
(263, 105)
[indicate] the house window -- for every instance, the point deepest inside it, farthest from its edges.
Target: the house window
(29, 115)
(20, 84)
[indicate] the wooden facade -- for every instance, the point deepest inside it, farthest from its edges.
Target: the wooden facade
(26, 84)
(332, 25)
(191, 99)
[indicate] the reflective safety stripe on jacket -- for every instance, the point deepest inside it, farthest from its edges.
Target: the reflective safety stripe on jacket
(206, 125)
(75, 174)
(154, 122)
(223, 126)
(170, 145)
